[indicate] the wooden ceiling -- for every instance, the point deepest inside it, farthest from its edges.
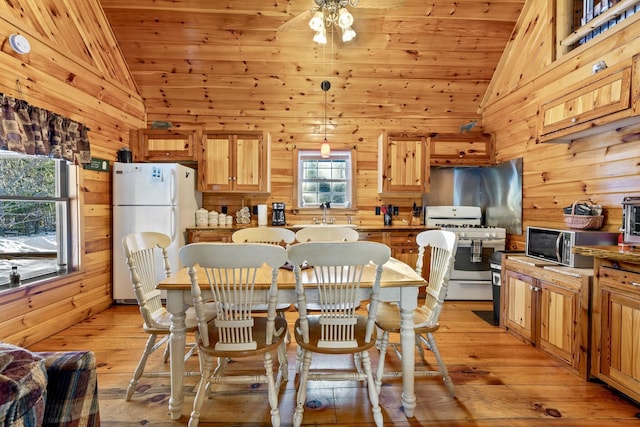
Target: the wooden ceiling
(215, 61)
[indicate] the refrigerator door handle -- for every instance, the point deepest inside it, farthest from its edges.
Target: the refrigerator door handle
(172, 186)
(173, 226)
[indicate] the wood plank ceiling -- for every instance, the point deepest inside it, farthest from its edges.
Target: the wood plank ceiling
(219, 62)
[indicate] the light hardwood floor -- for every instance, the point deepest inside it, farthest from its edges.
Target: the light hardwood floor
(500, 382)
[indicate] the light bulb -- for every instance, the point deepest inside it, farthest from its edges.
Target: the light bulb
(325, 149)
(321, 37)
(348, 34)
(317, 21)
(345, 19)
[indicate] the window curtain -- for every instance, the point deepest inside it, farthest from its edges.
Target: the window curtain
(32, 130)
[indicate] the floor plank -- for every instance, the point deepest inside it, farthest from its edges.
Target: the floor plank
(499, 380)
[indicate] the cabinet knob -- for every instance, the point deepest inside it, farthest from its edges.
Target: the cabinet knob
(573, 120)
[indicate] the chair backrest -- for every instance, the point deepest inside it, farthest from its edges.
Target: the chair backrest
(232, 270)
(327, 234)
(337, 269)
(142, 252)
(272, 235)
(443, 246)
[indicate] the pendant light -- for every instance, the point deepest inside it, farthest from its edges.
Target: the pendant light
(325, 148)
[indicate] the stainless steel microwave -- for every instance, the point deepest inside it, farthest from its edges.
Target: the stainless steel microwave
(555, 245)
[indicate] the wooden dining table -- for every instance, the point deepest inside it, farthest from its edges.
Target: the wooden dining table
(399, 282)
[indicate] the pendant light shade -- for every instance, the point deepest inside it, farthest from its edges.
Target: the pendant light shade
(325, 149)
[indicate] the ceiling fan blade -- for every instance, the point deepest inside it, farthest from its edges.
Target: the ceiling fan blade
(380, 4)
(304, 16)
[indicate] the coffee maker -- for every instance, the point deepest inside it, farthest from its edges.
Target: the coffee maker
(277, 214)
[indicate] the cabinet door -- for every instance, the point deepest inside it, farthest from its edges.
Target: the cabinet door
(404, 167)
(215, 166)
(620, 359)
(606, 94)
(461, 150)
(520, 302)
(163, 145)
(249, 167)
(558, 310)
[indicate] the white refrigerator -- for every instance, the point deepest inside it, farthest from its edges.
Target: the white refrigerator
(159, 197)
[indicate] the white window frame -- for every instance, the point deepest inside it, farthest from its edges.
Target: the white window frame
(336, 154)
(66, 226)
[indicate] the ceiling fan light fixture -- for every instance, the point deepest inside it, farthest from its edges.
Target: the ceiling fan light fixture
(345, 19)
(317, 21)
(321, 37)
(348, 34)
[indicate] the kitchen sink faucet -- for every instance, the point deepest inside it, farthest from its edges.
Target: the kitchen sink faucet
(325, 206)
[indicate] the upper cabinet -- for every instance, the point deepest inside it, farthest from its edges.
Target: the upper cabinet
(235, 162)
(403, 163)
(459, 149)
(160, 145)
(603, 101)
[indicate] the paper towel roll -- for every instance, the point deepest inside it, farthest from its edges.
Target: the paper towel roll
(262, 214)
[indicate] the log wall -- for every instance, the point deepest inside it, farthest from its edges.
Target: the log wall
(74, 69)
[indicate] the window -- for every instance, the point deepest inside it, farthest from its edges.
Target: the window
(35, 217)
(325, 179)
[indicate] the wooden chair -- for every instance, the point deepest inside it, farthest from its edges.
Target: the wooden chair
(142, 252)
(338, 329)
(236, 333)
(327, 234)
(273, 235)
(443, 246)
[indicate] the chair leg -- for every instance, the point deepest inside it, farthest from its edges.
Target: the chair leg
(448, 383)
(283, 363)
(372, 389)
(384, 342)
(302, 388)
(272, 392)
(148, 349)
(206, 367)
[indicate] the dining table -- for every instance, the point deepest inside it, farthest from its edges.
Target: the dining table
(399, 283)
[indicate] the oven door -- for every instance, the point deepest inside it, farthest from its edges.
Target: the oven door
(468, 265)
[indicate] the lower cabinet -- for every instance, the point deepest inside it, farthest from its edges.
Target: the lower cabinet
(209, 235)
(550, 310)
(616, 303)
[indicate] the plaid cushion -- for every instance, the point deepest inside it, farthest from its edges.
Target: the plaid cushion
(23, 384)
(72, 391)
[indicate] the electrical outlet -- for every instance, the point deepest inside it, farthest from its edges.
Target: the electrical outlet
(396, 210)
(377, 210)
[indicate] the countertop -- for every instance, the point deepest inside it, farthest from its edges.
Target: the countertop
(627, 253)
(370, 227)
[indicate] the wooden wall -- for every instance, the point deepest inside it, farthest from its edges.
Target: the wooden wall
(603, 168)
(75, 69)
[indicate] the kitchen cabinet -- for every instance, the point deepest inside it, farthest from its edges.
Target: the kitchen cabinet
(601, 102)
(461, 150)
(235, 163)
(549, 309)
(616, 358)
(403, 161)
(210, 235)
(164, 145)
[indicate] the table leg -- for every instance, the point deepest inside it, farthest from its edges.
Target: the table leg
(177, 342)
(408, 303)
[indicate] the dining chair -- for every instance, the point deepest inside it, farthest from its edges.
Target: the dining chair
(327, 234)
(235, 333)
(273, 235)
(443, 246)
(143, 252)
(338, 329)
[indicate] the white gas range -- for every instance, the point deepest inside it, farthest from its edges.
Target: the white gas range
(471, 275)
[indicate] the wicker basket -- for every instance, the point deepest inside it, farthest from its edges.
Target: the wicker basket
(583, 222)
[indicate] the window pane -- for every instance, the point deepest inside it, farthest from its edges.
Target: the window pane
(324, 180)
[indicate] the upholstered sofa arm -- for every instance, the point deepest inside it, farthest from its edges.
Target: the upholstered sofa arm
(72, 389)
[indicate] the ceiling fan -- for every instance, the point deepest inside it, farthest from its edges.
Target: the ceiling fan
(332, 7)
